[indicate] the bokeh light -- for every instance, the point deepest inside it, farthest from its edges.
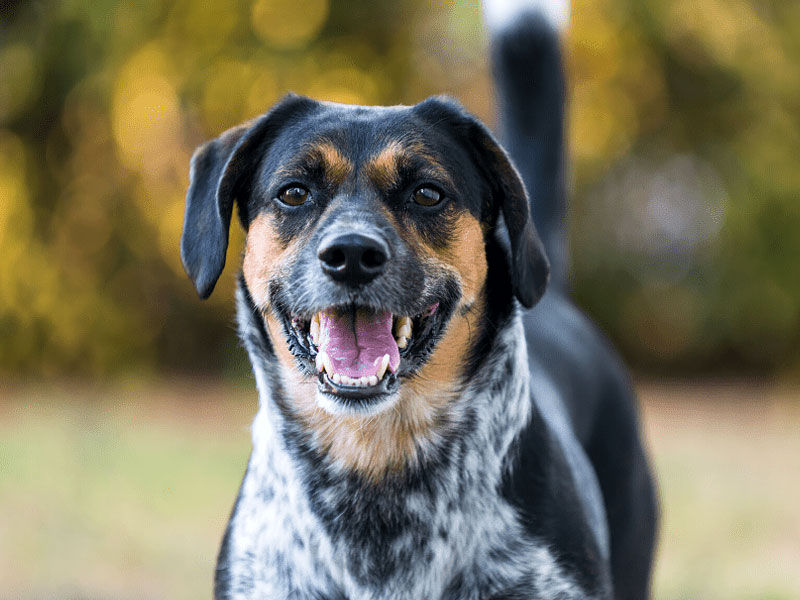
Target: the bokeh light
(683, 131)
(288, 24)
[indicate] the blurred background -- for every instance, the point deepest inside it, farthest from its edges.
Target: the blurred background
(125, 401)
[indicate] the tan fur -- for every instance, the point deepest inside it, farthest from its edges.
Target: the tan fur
(465, 257)
(375, 446)
(336, 166)
(264, 255)
(383, 168)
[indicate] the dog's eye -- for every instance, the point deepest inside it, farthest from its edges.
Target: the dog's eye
(427, 196)
(294, 195)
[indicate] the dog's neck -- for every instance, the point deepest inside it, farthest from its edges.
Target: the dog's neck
(335, 520)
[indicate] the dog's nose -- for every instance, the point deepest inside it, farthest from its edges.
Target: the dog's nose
(353, 258)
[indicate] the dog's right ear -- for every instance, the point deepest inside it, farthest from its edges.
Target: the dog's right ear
(221, 169)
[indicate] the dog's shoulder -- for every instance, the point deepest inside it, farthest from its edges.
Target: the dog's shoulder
(550, 482)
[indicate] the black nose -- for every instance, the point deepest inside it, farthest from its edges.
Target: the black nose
(353, 258)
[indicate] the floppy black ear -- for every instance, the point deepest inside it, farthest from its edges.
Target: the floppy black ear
(219, 171)
(530, 269)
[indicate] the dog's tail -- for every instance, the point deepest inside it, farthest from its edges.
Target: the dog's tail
(528, 69)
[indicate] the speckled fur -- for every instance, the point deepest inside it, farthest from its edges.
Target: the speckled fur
(303, 528)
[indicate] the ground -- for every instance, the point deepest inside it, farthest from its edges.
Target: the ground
(123, 492)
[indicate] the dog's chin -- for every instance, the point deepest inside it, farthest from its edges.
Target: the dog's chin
(343, 406)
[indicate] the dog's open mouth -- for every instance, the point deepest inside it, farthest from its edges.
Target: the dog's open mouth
(357, 353)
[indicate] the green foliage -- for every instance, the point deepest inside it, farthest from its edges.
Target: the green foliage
(684, 133)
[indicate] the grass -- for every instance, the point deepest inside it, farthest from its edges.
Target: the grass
(124, 492)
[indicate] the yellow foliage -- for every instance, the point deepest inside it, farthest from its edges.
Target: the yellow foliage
(19, 78)
(288, 24)
(146, 115)
(95, 164)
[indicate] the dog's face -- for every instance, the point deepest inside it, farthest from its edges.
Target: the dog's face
(367, 230)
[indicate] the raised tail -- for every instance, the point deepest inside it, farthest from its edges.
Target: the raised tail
(529, 75)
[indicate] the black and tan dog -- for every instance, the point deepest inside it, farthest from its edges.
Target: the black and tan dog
(420, 435)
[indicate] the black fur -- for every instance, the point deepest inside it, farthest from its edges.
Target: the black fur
(218, 172)
(530, 83)
(589, 376)
(530, 269)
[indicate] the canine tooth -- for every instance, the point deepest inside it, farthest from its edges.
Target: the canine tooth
(382, 367)
(314, 328)
(402, 331)
(401, 324)
(337, 378)
(320, 362)
(372, 380)
(326, 360)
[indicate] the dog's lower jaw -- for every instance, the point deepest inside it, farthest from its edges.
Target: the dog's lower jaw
(335, 407)
(306, 525)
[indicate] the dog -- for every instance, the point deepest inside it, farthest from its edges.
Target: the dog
(421, 433)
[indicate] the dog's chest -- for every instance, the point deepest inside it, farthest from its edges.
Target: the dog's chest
(418, 546)
(285, 546)
(301, 530)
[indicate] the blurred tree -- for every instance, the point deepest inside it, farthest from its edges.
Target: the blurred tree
(685, 137)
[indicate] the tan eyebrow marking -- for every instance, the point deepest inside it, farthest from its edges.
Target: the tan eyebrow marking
(383, 168)
(335, 165)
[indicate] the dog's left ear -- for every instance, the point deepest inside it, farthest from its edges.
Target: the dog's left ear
(530, 269)
(219, 171)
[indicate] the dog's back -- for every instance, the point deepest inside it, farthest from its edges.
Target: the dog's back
(577, 378)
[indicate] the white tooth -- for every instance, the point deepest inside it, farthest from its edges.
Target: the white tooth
(400, 323)
(320, 362)
(382, 367)
(314, 328)
(364, 380)
(346, 380)
(337, 378)
(405, 330)
(326, 360)
(372, 380)
(402, 342)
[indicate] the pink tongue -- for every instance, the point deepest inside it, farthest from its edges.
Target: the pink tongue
(358, 353)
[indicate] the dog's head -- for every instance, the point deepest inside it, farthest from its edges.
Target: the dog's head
(367, 232)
